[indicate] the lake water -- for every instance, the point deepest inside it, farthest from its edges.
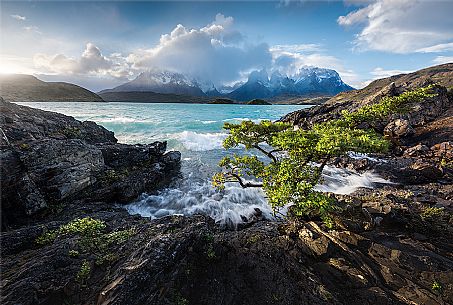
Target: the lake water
(196, 131)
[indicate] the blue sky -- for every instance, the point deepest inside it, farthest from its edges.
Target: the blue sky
(102, 44)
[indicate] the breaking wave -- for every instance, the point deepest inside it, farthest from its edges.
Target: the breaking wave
(236, 205)
(229, 207)
(343, 181)
(195, 141)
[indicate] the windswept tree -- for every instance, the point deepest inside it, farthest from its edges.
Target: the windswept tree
(296, 158)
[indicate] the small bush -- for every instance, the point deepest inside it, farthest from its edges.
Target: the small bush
(210, 252)
(73, 253)
(432, 213)
(72, 132)
(24, 146)
(84, 272)
(436, 287)
(90, 238)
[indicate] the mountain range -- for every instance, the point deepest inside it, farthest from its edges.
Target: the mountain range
(308, 81)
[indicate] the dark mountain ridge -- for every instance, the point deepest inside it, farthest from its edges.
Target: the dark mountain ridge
(28, 88)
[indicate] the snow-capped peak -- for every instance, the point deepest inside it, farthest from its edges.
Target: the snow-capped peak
(163, 77)
(259, 76)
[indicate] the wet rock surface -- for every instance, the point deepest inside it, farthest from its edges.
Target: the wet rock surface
(49, 159)
(390, 245)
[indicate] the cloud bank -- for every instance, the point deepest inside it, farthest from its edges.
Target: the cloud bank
(19, 17)
(216, 52)
(403, 26)
(91, 62)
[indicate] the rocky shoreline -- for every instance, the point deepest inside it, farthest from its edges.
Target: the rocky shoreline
(392, 245)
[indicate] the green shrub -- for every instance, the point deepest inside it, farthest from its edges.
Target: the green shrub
(432, 213)
(73, 253)
(210, 252)
(91, 238)
(72, 132)
(296, 158)
(436, 287)
(84, 273)
(24, 146)
(387, 106)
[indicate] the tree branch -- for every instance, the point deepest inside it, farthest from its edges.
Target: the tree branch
(267, 153)
(245, 184)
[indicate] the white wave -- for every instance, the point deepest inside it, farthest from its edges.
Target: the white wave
(135, 138)
(244, 119)
(195, 141)
(228, 207)
(359, 156)
(116, 120)
(208, 122)
(342, 181)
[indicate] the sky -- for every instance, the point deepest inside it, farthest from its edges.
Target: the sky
(99, 45)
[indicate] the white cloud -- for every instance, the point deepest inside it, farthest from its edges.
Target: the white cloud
(91, 62)
(32, 28)
(381, 73)
(288, 59)
(443, 47)
(297, 48)
(402, 26)
(19, 17)
(443, 60)
(216, 52)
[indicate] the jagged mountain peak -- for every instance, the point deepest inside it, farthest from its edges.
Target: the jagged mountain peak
(259, 76)
(307, 81)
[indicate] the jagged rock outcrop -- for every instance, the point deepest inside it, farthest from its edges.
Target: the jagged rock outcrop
(421, 114)
(49, 159)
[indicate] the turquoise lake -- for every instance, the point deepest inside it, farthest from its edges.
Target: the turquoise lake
(196, 131)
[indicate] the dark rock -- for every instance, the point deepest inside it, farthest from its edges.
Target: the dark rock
(417, 151)
(426, 171)
(443, 150)
(397, 129)
(49, 159)
(33, 124)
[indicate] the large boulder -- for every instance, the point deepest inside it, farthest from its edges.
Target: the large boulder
(398, 128)
(50, 159)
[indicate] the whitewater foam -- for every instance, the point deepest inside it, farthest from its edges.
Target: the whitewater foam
(228, 207)
(343, 181)
(231, 206)
(195, 141)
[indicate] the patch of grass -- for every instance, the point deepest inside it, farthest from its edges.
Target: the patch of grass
(436, 287)
(91, 238)
(84, 273)
(85, 227)
(180, 300)
(73, 253)
(113, 175)
(72, 132)
(432, 213)
(210, 252)
(172, 230)
(24, 146)
(209, 237)
(253, 239)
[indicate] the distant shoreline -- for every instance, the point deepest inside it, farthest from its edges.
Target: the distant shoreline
(170, 102)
